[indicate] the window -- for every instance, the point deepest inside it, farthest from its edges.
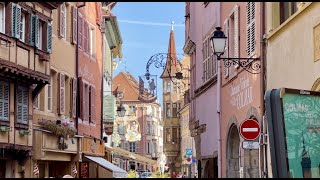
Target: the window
(132, 147)
(4, 101)
(22, 27)
(148, 128)
(168, 135)
(175, 135)
(251, 28)
(209, 62)
(168, 110)
(87, 106)
(49, 90)
(287, 9)
(22, 105)
(40, 32)
(148, 147)
(168, 87)
(2, 17)
(155, 149)
(174, 110)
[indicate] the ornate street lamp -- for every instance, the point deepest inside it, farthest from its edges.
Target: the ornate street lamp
(121, 110)
(218, 45)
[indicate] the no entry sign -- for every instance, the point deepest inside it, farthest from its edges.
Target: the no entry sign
(249, 129)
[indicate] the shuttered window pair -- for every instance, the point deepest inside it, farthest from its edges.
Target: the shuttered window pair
(36, 36)
(62, 95)
(133, 147)
(22, 105)
(87, 102)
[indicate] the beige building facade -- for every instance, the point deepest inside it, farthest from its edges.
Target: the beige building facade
(25, 56)
(293, 50)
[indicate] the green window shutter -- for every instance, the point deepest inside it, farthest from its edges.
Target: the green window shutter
(13, 20)
(34, 26)
(4, 101)
(38, 41)
(18, 21)
(22, 109)
(49, 38)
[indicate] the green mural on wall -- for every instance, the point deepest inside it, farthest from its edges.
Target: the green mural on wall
(302, 131)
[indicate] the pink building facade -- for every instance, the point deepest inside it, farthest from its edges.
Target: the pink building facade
(241, 95)
(201, 20)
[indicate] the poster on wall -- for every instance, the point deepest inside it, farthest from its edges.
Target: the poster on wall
(302, 134)
(294, 132)
(133, 131)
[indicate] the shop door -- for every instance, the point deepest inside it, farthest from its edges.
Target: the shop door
(2, 169)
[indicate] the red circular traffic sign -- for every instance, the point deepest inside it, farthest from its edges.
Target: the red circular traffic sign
(249, 129)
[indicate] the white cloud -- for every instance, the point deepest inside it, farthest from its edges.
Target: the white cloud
(150, 23)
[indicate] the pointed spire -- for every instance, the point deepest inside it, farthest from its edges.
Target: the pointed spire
(172, 55)
(172, 22)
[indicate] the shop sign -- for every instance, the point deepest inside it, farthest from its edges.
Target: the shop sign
(108, 108)
(108, 128)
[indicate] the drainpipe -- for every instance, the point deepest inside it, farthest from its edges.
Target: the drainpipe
(219, 118)
(262, 83)
(77, 68)
(219, 106)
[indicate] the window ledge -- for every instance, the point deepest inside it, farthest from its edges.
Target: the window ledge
(23, 45)
(277, 29)
(43, 55)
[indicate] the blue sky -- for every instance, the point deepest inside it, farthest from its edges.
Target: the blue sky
(145, 29)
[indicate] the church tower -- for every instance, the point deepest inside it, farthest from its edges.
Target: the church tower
(171, 105)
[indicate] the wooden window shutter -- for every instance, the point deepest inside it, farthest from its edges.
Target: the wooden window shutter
(62, 26)
(89, 39)
(15, 20)
(74, 98)
(81, 90)
(80, 27)
(74, 25)
(85, 36)
(250, 28)
(236, 33)
(226, 31)
(49, 37)
(4, 101)
(33, 35)
(61, 94)
(22, 105)
(126, 146)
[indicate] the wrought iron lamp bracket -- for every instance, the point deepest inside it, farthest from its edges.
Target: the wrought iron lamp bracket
(252, 65)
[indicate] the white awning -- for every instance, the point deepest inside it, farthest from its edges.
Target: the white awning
(117, 172)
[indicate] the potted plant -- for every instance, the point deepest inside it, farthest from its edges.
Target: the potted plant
(4, 129)
(24, 132)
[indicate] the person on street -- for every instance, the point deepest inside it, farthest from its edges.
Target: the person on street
(184, 175)
(174, 175)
